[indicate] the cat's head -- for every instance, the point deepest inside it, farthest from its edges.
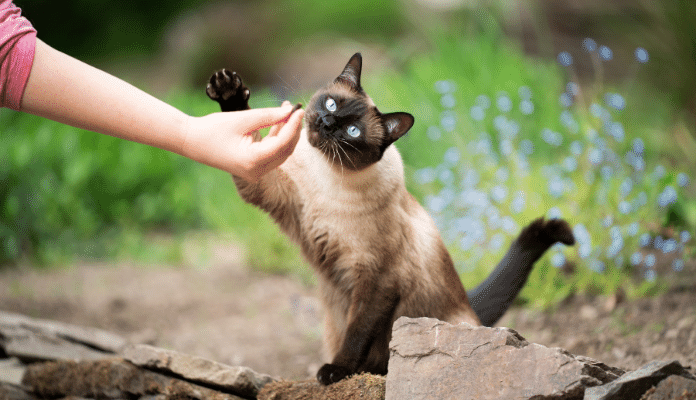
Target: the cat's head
(343, 122)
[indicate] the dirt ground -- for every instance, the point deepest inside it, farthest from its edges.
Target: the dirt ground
(214, 306)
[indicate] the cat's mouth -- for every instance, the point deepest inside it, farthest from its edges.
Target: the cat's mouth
(322, 134)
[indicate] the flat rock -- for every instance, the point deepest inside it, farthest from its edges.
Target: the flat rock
(11, 371)
(242, 381)
(634, 384)
(674, 387)
(431, 359)
(110, 379)
(98, 339)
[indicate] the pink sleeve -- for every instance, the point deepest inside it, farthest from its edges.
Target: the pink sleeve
(17, 42)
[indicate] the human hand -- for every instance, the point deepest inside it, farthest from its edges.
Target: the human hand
(225, 140)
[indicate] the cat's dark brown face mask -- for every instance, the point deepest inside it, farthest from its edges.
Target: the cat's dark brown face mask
(346, 126)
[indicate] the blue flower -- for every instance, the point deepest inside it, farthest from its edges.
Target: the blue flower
(477, 113)
(448, 101)
(597, 266)
(658, 242)
(638, 146)
(567, 119)
(434, 133)
(475, 198)
(682, 179)
(605, 53)
(425, 175)
(448, 121)
(626, 187)
(527, 107)
(650, 260)
(518, 204)
(624, 207)
(558, 260)
(553, 213)
(556, 187)
(496, 241)
(677, 265)
(572, 88)
(565, 100)
(669, 246)
(508, 224)
(633, 229)
(644, 240)
(606, 172)
(470, 179)
(596, 110)
(525, 93)
(503, 103)
(685, 236)
(636, 258)
(595, 156)
(650, 275)
(616, 242)
(500, 123)
(435, 203)
(576, 148)
(641, 55)
(446, 177)
(506, 147)
(589, 45)
(499, 194)
(607, 221)
(452, 156)
(615, 100)
(615, 130)
(667, 197)
(552, 138)
(570, 164)
(445, 86)
(565, 58)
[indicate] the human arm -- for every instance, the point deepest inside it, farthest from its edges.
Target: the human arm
(69, 91)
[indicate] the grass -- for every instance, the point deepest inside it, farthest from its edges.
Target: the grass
(482, 170)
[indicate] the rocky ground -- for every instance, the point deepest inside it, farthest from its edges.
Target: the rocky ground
(215, 307)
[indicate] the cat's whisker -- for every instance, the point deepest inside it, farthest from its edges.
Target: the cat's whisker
(349, 144)
(346, 153)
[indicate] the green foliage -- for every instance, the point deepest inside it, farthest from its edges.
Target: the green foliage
(581, 165)
(69, 193)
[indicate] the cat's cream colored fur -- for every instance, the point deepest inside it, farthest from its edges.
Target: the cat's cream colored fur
(375, 227)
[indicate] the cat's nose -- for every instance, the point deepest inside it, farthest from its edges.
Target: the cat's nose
(328, 120)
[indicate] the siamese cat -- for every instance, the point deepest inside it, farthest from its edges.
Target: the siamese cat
(378, 255)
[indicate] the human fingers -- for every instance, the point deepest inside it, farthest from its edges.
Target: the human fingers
(272, 151)
(258, 118)
(274, 129)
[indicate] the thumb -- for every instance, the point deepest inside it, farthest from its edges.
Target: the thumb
(258, 118)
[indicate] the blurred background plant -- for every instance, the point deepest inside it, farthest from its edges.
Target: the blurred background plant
(583, 111)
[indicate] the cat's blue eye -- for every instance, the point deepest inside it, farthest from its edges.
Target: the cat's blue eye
(353, 131)
(330, 105)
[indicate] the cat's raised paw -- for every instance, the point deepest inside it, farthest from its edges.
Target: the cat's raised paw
(330, 373)
(227, 89)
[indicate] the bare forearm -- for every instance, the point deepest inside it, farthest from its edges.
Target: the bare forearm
(67, 90)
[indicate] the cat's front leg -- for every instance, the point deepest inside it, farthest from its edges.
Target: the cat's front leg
(227, 89)
(370, 317)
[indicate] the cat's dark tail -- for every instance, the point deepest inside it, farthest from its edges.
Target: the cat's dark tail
(492, 297)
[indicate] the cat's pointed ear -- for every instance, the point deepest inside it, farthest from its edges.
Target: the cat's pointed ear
(397, 124)
(351, 72)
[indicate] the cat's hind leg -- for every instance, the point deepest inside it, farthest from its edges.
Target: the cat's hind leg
(227, 89)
